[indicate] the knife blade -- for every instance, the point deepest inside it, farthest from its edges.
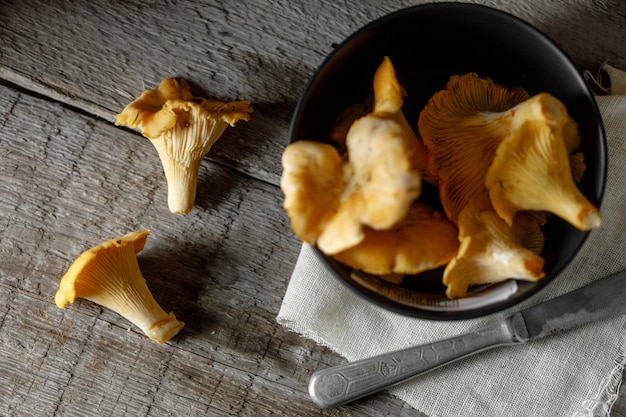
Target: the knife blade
(341, 384)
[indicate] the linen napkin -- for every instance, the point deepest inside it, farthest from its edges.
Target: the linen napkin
(575, 373)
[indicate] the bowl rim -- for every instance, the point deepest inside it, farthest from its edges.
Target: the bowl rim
(535, 287)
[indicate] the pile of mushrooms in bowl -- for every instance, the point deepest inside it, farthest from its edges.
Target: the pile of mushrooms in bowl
(446, 161)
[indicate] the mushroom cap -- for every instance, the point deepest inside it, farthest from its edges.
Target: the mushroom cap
(81, 279)
(422, 241)
(490, 251)
(156, 111)
(384, 180)
(531, 171)
(381, 182)
(461, 127)
(312, 182)
(145, 111)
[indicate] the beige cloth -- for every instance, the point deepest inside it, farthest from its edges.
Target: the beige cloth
(575, 373)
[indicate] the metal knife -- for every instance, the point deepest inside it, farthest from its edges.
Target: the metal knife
(341, 384)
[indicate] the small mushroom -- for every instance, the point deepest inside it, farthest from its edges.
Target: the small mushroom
(182, 128)
(109, 275)
(531, 171)
(490, 251)
(461, 127)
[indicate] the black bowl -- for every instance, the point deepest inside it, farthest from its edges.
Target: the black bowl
(427, 44)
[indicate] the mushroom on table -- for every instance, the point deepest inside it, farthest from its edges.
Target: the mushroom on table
(182, 128)
(109, 275)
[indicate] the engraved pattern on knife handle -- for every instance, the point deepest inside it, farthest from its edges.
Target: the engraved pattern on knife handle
(352, 379)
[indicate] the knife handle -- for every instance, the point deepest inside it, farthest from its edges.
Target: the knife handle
(341, 384)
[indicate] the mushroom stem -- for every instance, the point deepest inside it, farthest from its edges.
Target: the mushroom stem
(181, 187)
(181, 150)
(572, 206)
(133, 300)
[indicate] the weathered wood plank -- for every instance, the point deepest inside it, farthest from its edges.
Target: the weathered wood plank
(98, 55)
(70, 182)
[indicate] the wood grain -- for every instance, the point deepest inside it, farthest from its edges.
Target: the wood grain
(70, 179)
(71, 182)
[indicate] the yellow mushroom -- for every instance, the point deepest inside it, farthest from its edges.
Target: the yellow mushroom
(182, 128)
(531, 171)
(386, 102)
(422, 241)
(330, 200)
(312, 183)
(374, 187)
(490, 251)
(464, 125)
(109, 275)
(461, 127)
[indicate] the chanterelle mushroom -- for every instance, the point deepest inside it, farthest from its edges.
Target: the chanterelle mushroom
(374, 187)
(312, 182)
(182, 128)
(531, 171)
(386, 102)
(461, 127)
(490, 251)
(109, 275)
(422, 241)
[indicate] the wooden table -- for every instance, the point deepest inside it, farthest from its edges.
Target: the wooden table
(71, 179)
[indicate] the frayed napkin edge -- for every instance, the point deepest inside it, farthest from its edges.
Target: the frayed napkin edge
(608, 390)
(306, 333)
